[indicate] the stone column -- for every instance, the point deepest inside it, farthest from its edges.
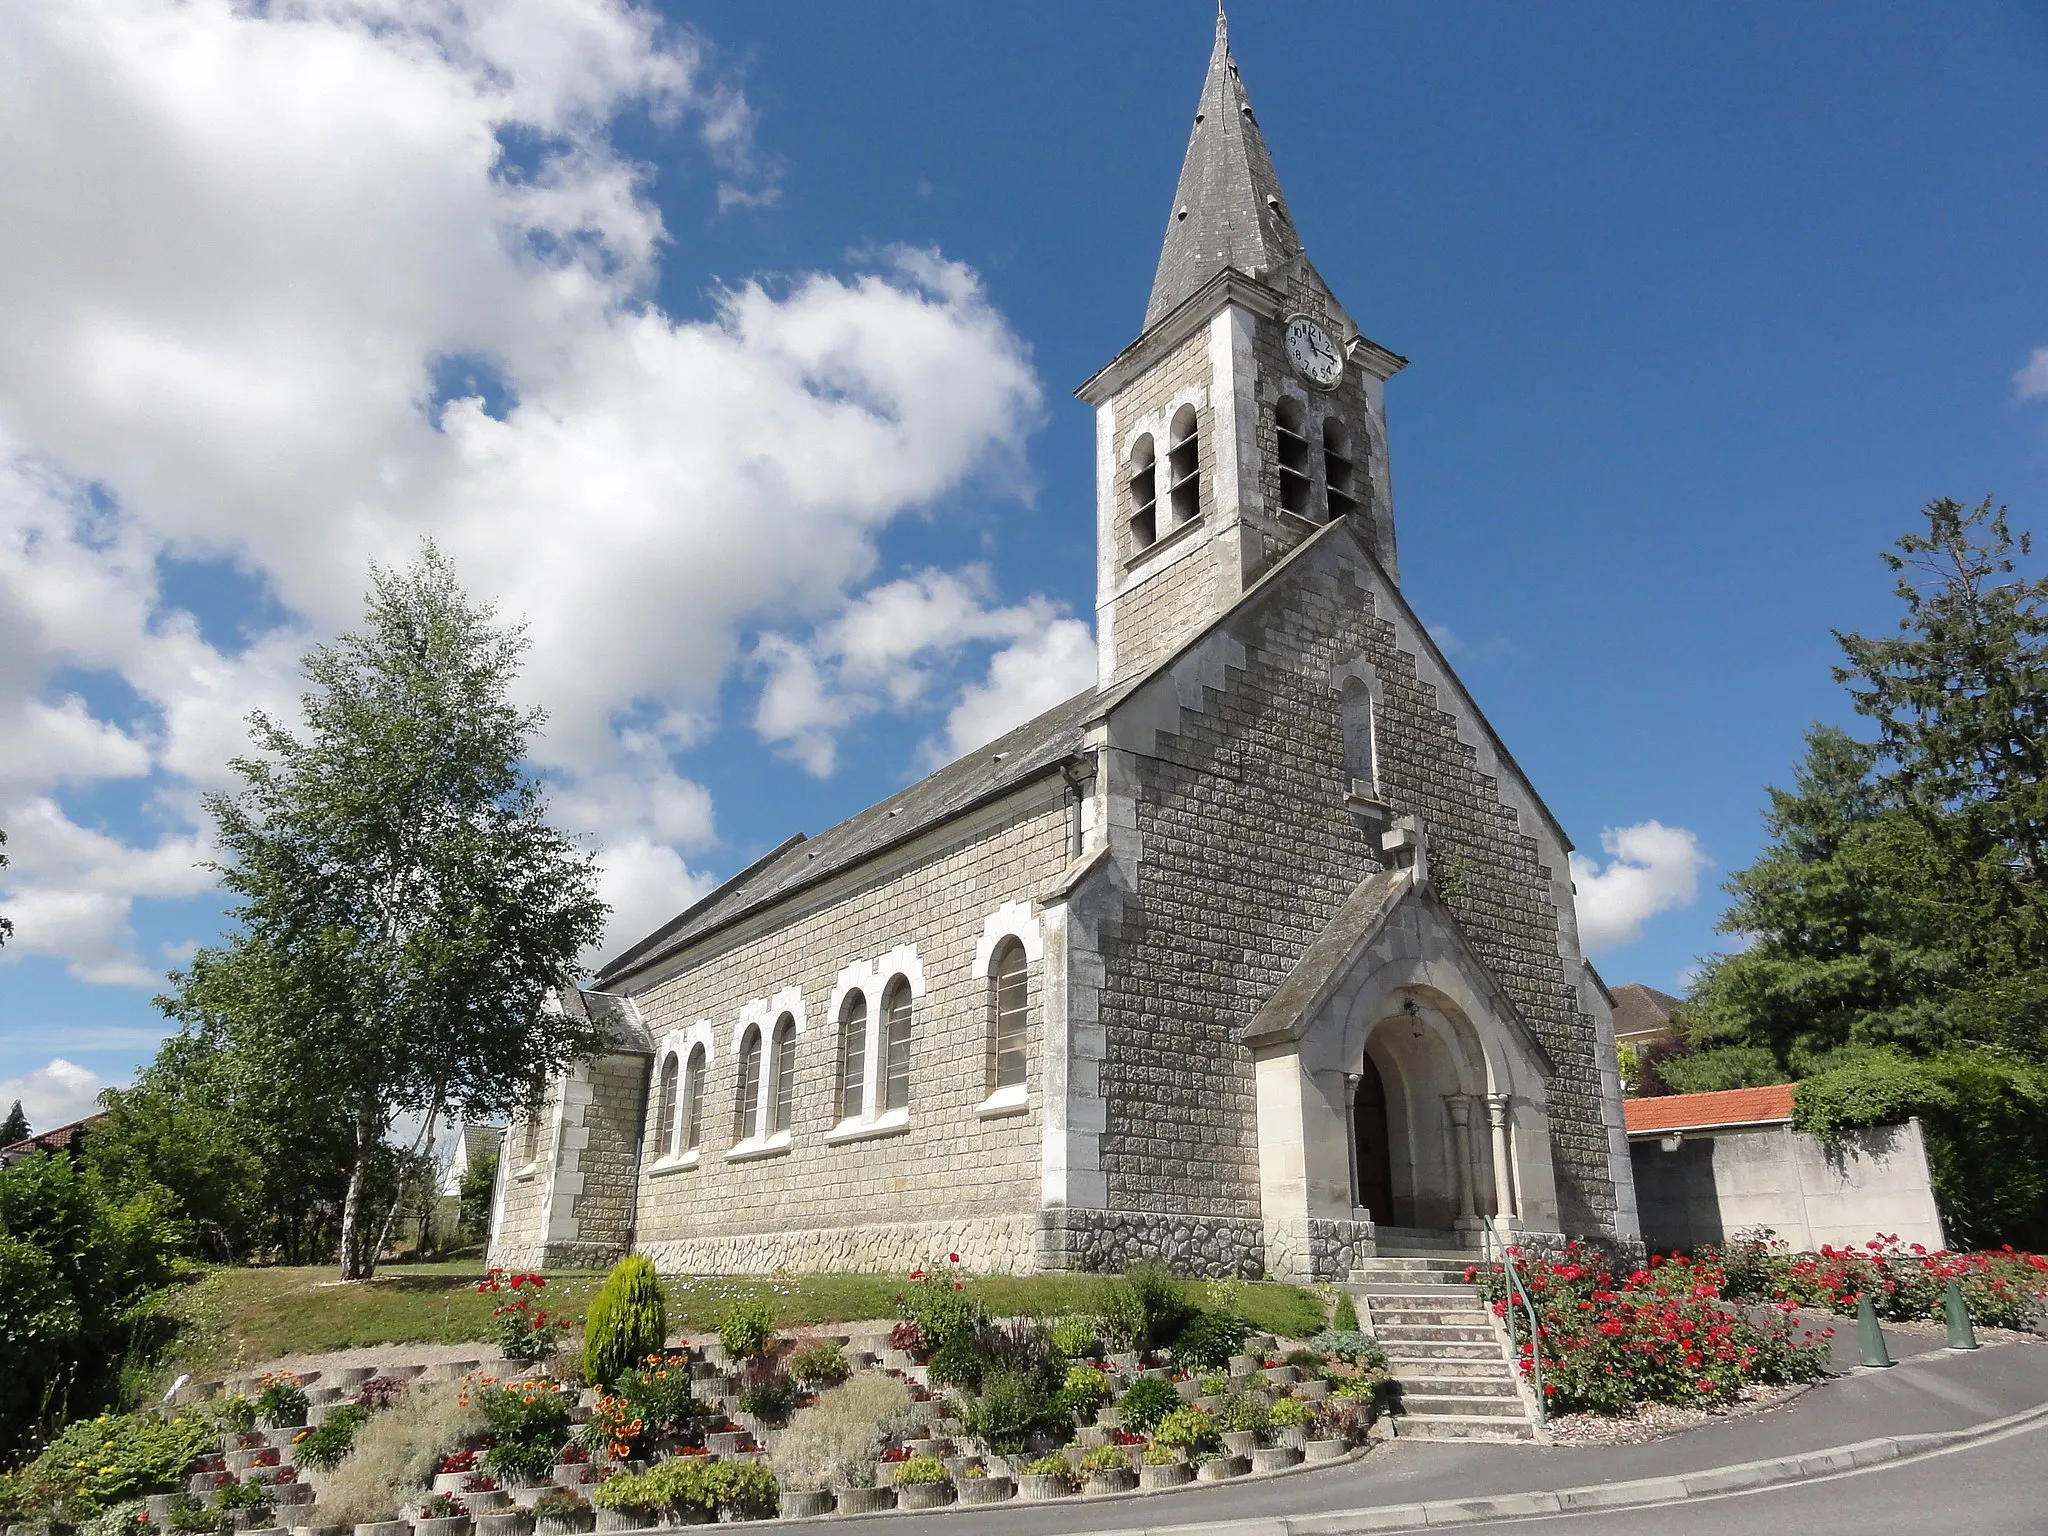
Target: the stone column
(1351, 1132)
(1461, 1153)
(1497, 1105)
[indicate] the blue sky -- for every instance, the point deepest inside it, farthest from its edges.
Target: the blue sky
(1702, 304)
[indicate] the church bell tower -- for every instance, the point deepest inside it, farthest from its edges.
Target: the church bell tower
(1248, 414)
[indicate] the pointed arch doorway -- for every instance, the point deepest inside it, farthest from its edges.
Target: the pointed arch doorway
(1372, 1144)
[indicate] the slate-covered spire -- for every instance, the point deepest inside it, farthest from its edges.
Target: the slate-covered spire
(1228, 210)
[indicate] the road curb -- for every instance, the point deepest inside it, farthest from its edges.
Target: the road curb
(1641, 1493)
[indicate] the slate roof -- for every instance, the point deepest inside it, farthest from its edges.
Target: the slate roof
(1641, 1010)
(1707, 1111)
(1034, 748)
(1228, 210)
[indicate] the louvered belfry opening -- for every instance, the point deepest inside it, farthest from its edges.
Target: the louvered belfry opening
(1184, 467)
(1292, 439)
(1340, 475)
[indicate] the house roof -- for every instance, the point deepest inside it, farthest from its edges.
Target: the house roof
(64, 1138)
(1641, 1010)
(1707, 1111)
(1034, 748)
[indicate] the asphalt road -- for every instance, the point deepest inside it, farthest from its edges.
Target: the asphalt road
(1996, 1488)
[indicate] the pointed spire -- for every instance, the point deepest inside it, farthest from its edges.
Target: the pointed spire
(1228, 210)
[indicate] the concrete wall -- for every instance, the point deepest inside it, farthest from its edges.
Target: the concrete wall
(1715, 1185)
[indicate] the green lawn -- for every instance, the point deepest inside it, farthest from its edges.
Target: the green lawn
(235, 1318)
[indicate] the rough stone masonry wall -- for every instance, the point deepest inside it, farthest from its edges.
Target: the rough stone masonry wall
(519, 1237)
(1176, 591)
(1247, 851)
(953, 1182)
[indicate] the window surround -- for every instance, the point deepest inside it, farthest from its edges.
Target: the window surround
(764, 1013)
(1012, 920)
(873, 980)
(676, 1045)
(1004, 1102)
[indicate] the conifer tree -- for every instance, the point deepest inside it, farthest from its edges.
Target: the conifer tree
(15, 1127)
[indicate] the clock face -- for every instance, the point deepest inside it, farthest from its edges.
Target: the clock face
(1313, 350)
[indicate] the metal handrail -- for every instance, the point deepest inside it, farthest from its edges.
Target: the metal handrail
(1519, 1292)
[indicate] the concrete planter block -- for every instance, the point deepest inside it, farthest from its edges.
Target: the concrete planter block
(318, 1395)
(865, 1501)
(1244, 1365)
(266, 1530)
(1294, 1436)
(1167, 1475)
(1282, 1375)
(565, 1525)
(323, 1530)
(452, 1525)
(1109, 1418)
(404, 1372)
(450, 1482)
(1209, 1404)
(1217, 1468)
(1128, 1361)
(805, 1503)
(1263, 1343)
(1038, 1486)
(486, 1503)
(1324, 1450)
(454, 1370)
(724, 1443)
(929, 1445)
(923, 1495)
(1116, 1480)
(505, 1522)
(291, 1493)
(956, 1466)
(158, 1507)
(384, 1528)
(1091, 1436)
(1157, 1373)
(986, 1490)
(1241, 1442)
(352, 1376)
(1312, 1391)
(1275, 1457)
(624, 1519)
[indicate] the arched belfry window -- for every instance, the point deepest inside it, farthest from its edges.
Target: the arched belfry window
(747, 1094)
(1340, 474)
(1009, 1008)
(665, 1102)
(1184, 467)
(1144, 486)
(1292, 438)
(853, 1056)
(782, 1084)
(693, 1100)
(896, 1046)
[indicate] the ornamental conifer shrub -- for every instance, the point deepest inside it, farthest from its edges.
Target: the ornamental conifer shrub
(627, 1321)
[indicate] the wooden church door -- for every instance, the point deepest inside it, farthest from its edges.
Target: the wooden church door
(1375, 1152)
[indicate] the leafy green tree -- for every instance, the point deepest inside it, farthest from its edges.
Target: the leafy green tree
(479, 1184)
(78, 1267)
(407, 911)
(15, 1127)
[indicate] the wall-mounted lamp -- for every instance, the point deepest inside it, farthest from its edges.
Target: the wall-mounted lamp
(1408, 1006)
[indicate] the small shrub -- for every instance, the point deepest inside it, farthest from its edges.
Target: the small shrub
(396, 1451)
(1362, 1388)
(325, 1445)
(1289, 1413)
(379, 1392)
(234, 1413)
(1213, 1383)
(1187, 1428)
(558, 1504)
(836, 1442)
(443, 1506)
(627, 1321)
(1344, 1316)
(529, 1423)
(922, 1469)
(1146, 1401)
(95, 1464)
(1241, 1412)
(906, 1337)
(1156, 1455)
(1075, 1336)
(1357, 1349)
(747, 1327)
(1083, 1392)
(941, 1306)
(820, 1365)
(767, 1391)
(1014, 1406)
(957, 1363)
(1210, 1338)
(1050, 1466)
(1105, 1458)
(1147, 1308)
(522, 1329)
(281, 1401)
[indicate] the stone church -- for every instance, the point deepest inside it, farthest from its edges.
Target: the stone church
(1258, 956)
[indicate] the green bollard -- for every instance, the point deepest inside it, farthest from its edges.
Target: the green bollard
(1962, 1333)
(1870, 1337)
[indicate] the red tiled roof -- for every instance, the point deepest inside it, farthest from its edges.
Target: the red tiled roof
(64, 1138)
(1700, 1111)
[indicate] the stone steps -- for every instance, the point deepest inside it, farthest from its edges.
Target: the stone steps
(1453, 1376)
(1449, 1426)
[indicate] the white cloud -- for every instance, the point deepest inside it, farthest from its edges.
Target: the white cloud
(241, 243)
(2031, 382)
(1024, 680)
(897, 644)
(1651, 868)
(53, 1095)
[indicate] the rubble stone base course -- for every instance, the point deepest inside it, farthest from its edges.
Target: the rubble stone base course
(989, 1245)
